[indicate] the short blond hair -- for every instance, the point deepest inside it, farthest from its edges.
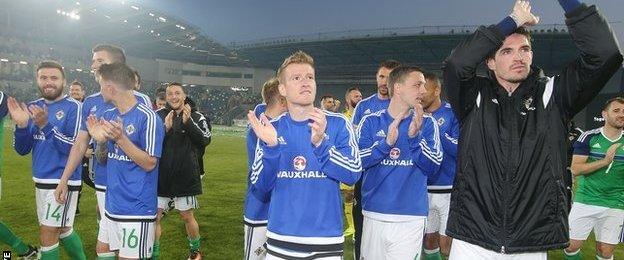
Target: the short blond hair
(270, 92)
(299, 57)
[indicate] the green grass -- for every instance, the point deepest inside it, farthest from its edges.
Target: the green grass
(219, 215)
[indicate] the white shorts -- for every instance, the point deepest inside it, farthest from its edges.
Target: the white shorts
(392, 240)
(180, 203)
(439, 204)
(104, 227)
(132, 239)
(606, 223)
(461, 250)
(101, 201)
(52, 214)
(255, 237)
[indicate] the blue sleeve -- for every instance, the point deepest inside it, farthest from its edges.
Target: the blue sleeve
(339, 158)
(357, 114)
(3, 105)
(23, 138)
(582, 147)
(426, 147)
(153, 135)
(63, 137)
(264, 170)
(250, 141)
(86, 110)
(371, 152)
(450, 139)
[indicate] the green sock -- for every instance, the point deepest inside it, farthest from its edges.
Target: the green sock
(9, 238)
(194, 243)
(106, 256)
(572, 256)
(50, 253)
(156, 250)
(433, 254)
(73, 245)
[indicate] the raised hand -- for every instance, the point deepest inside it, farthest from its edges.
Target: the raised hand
(393, 130)
(522, 15)
(417, 120)
(113, 130)
(95, 129)
(39, 115)
(19, 112)
(263, 128)
(169, 121)
(318, 125)
(186, 113)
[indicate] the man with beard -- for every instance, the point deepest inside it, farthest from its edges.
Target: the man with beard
(367, 106)
(440, 184)
(511, 193)
(48, 127)
(598, 162)
(95, 105)
(352, 98)
(186, 131)
(300, 160)
(76, 91)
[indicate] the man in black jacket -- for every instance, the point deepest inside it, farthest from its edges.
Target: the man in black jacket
(512, 191)
(186, 132)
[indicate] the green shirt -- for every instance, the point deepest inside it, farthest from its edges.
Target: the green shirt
(605, 186)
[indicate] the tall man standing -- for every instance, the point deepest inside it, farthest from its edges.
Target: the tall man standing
(511, 194)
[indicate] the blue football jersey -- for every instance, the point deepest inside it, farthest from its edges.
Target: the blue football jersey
(442, 181)
(368, 106)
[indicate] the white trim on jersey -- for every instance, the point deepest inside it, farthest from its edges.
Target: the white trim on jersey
(336, 157)
(307, 240)
(257, 165)
(62, 137)
(205, 133)
(439, 187)
(451, 139)
(584, 135)
(368, 151)
(436, 155)
(150, 131)
(250, 221)
(146, 100)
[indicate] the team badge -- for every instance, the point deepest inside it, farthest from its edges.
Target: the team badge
(299, 163)
(129, 129)
(528, 103)
(60, 114)
(395, 153)
(440, 121)
(93, 109)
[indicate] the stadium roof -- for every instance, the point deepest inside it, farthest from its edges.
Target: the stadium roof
(354, 55)
(141, 31)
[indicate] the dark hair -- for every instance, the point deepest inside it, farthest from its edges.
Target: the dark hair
(116, 53)
(326, 96)
(352, 89)
(608, 103)
(161, 96)
(429, 76)
(76, 82)
(175, 84)
(398, 74)
(389, 64)
(119, 73)
(50, 64)
(520, 30)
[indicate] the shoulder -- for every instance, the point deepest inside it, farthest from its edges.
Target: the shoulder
(373, 118)
(587, 135)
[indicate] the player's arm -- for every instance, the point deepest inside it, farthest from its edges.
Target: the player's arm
(600, 57)
(339, 158)
(426, 148)
(198, 130)
(371, 152)
(23, 138)
(264, 170)
(450, 139)
(75, 158)
(138, 156)
(357, 115)
(580, 166)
